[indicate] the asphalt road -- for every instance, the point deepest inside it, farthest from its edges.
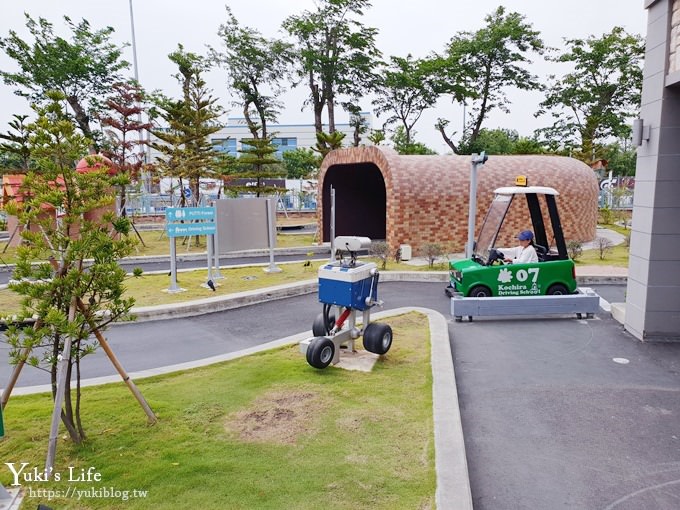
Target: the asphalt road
(557, 412)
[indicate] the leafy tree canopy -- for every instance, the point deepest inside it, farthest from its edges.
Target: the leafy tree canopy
(595, 100)
(301, 163)
(82, 69)
(407, 88)
(336, 55)
(480, 67)
(256, 68)
(405, 147)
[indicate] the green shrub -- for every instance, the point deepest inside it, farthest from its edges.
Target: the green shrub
(575, 249)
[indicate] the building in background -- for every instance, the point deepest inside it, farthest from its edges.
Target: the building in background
(287, 137)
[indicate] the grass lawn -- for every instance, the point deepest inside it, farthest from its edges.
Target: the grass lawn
(266, 431)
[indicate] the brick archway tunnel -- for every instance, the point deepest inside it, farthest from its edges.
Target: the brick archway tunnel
(417, 200)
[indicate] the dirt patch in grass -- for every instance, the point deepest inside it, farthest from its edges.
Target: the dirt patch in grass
(279, 417)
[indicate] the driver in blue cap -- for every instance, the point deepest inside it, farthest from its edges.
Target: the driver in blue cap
(523, 253)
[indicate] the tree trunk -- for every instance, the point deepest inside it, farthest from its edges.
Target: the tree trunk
(317, 103)
(67, 411)
(82, 119)
(449, 142)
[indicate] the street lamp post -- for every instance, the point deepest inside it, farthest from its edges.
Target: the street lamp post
(478, 160)
(135, 68)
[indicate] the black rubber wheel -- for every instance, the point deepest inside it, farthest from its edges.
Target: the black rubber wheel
(319, 327)
(377, 338)
(557, 290)
(320, 352)
(480, 291)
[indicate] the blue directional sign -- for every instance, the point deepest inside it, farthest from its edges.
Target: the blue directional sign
(175, 214)
(190, 221)
(190, 229)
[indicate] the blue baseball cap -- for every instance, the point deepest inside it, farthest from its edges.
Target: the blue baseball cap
(525, 235)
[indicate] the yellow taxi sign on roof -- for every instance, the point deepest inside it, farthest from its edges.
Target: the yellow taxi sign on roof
(521, 180)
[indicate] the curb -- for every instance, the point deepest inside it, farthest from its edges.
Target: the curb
(251, 297)
(453, 482)
(221, 303)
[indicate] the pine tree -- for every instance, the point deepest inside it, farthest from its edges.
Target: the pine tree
(69, 299)
(125, 135)
(257, 162)
(186, 149)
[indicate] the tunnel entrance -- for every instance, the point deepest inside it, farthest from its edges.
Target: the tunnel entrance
(360, 201)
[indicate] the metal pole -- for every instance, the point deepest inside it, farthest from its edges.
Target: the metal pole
(135, 68)
(332, 224)
(477, 160)
(209, 244)
(173, 266)
(216, 250)
(271, 233)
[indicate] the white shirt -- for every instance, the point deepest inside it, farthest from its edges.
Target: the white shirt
(520, 255)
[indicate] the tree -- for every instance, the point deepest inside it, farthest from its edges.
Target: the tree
(596, 99)
(504, 141)
(337, 55)
(301, 163)
(254, 66)
(406, 90)
(258, 162)
(481, 66)
(621, 160)
(357, 122)
(122, 122)
(70, 299)
(404, 147)
(326, 142)
(186, 151)
(15, 147)
(83, 69)
(377, 136)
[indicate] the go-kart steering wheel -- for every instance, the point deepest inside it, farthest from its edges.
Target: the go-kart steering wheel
(495, 255)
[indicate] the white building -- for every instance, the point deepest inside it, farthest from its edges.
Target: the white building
(286, 136)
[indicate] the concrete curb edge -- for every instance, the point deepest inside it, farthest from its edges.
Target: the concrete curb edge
(453, 483)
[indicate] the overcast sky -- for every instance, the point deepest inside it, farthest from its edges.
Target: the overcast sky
(404, 27)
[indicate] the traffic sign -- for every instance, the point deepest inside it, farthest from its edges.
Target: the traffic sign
(187, 192)
(190, 229)
(175, 214)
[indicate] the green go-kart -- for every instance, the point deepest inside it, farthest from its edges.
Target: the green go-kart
(486, 275)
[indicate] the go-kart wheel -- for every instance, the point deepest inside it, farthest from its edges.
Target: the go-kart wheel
(377, 338)
(480, 291)
(320, 352)
(319, 327)
(557, 290)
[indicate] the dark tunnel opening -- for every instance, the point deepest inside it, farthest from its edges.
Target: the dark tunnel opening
(360, 201)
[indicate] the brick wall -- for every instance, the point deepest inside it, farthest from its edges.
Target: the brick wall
(427, 196)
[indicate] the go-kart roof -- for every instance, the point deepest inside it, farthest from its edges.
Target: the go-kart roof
(526, 190)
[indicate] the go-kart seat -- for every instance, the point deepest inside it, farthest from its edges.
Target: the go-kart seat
(541, 252)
